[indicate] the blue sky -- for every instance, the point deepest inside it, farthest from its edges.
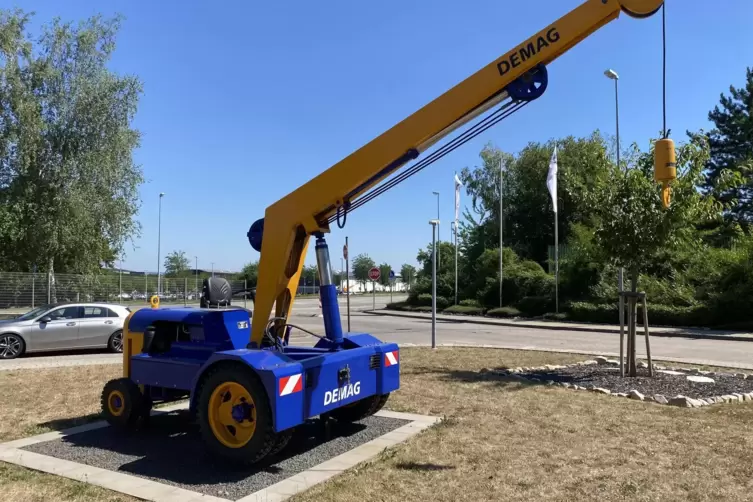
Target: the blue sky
(245, 101)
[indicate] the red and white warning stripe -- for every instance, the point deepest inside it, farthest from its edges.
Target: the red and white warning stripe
(291, 384)
(390, 358)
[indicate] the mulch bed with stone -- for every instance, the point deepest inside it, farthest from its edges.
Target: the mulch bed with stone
(684, 387)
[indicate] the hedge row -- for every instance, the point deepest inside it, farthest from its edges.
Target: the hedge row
(658, 315)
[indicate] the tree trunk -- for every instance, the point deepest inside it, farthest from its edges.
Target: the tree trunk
(632, 366)
(51, 281)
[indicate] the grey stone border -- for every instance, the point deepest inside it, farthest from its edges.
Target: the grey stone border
(679, 400)
(12, 452)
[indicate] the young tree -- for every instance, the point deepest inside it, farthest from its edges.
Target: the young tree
(731, 143)
(384, 274)
(633, 228)
(176, 264)
(361, 266)
(68, 181)
(408, 274)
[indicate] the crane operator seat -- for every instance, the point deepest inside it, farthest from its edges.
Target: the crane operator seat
(215, 293)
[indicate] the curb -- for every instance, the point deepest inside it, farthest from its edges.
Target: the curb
(575, 327)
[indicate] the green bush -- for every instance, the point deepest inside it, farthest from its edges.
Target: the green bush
(503, 312)
(399, 306)
(470, 303)
(421, 308)
(424, 300)
(536, 305)
(463, 309)
(593, 312)
(658, 315)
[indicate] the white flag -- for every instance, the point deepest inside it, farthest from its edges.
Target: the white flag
(551, 178)
(458, 184)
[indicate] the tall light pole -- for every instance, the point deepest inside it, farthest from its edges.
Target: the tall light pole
(434, 234)
(611, 74)
(437, 226)
(159, 242)
(196, 273)
(212, 269)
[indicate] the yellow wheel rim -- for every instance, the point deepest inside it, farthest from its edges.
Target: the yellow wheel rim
(232, 414)
(116, 403)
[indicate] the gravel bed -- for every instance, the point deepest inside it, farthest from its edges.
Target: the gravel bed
(170, 451)
(607, 377)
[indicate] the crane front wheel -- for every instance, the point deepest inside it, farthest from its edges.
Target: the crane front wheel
(123, 404)
(234, 415)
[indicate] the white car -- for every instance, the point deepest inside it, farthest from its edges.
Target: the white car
(64, 326)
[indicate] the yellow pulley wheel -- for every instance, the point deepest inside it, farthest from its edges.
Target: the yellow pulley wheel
(232, 414)
(154, 301)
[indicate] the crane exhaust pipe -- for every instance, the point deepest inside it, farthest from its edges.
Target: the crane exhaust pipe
(328, 293)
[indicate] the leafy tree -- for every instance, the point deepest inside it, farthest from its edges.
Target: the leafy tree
(250, 273)
(384, 274)
(68, 182)
(731, 144)
(176, 264)
(408, 274)
(583, 165)
(311, 274)
(361, 266)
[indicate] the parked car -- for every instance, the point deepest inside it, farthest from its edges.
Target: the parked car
(64, 326)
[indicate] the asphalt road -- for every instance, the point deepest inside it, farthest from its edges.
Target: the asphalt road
(418, 331)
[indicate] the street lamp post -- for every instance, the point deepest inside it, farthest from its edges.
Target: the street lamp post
(159, 242)
(611, 74)
(434, 233)
(437, 224)
(196, 279)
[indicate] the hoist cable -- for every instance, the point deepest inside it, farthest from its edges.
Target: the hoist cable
(490, 120)
(664, 67)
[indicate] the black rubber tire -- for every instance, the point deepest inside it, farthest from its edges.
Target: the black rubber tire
(264, 437)
(15, 354)
(111, 342)
(281, 442)
(134, 403)
(360, 409)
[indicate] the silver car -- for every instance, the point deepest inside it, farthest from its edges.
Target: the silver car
(64, 326)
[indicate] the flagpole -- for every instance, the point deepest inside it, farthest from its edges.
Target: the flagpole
(457, 188)
(556, 264)
(501, 228)
(551, 182)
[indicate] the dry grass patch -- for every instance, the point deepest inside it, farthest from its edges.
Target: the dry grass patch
(18, 484)
(39, 400)
(507, 441)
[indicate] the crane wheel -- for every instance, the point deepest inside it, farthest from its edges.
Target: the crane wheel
(360, 409)
(123, 404)
(234, 415)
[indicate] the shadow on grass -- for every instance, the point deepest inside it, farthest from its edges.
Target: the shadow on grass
(468, 376)
(420, 466)
(60, 424)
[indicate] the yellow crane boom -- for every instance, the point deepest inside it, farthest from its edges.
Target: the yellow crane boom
(510, 81)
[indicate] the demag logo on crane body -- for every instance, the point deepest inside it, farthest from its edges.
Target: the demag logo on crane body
(344, 392)
(528, 51)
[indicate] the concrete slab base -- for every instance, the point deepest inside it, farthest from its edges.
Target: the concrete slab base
(14, 452)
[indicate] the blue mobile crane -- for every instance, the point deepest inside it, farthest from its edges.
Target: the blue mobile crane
(248, 387)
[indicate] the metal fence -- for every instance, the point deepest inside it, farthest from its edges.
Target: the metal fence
(28, 290)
